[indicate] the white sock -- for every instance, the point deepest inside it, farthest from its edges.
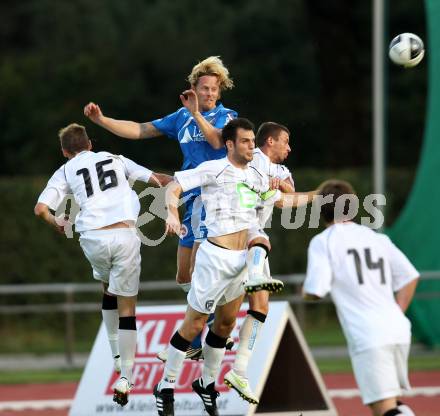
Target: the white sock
(127, 347)
(266, 269)
(110, 318)
(172, 368)
(212, 360)
(255, 260)
(405, 410)
(248, 335)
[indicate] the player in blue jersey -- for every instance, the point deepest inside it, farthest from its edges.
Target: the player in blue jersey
(197, 126)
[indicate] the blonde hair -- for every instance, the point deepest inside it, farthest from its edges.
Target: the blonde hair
(212, 65)
(74, 138)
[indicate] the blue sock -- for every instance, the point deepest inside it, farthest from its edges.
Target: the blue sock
(210, 319)
(197, 341)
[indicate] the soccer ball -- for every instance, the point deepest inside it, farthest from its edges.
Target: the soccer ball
(406, 50)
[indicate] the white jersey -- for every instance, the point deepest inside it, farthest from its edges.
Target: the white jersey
(272, 170)
(230, 195)
(361, 269)
(99, 184)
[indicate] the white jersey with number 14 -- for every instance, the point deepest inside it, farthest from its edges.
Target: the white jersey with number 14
(361, 269)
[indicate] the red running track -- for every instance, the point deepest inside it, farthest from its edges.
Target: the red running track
(422, 405)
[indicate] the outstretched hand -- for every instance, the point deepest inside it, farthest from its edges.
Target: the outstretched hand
(190, 101)
(93, 112)
(274, 183)
(172, 225)
(61, 224)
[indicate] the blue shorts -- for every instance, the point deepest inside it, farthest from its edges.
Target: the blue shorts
(194, 229)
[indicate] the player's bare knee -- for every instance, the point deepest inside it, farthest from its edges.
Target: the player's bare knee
(189, 332)
(224, 326)
(193, 324)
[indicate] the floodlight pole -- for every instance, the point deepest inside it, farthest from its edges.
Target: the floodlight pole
(378, 98)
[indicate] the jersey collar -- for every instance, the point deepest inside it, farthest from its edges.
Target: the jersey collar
(213, 111)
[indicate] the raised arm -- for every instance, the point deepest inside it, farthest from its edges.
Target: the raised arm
(122, 128)
(296, 199)
(160, 179)
(172, 223)
(286, 186)
(212, 134)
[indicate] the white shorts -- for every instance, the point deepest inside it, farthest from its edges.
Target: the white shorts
(115, 258)
(382, 372)
(217, 278)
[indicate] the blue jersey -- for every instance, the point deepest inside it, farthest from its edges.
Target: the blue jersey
(182, 127)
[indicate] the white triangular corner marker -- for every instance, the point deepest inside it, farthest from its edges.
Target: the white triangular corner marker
(287, 381)
(281, 371)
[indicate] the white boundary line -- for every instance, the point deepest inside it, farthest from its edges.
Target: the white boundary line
(66, 403)
(415, 391)
(36, 405)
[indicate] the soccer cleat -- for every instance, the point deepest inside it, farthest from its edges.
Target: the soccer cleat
(208, 395)
(257, 284)
(164, 401)
(117, 364)
(241, 386)
(229, 343)
(191, 354)
(121, 391)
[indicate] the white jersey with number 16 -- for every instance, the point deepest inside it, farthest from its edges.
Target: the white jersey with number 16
(99, 184)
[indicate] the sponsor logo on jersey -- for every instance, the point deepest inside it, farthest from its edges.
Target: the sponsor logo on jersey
(248, 198)
(195, 136)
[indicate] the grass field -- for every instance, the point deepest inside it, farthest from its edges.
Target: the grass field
(339, 365)
(321, 330)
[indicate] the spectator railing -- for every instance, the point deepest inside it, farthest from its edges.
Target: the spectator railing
(71, 305)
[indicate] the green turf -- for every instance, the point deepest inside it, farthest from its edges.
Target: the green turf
(40, 376)
(328, 334)
(339, 365)
(416, 363)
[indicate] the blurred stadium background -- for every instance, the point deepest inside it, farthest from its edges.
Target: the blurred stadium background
(306, 64)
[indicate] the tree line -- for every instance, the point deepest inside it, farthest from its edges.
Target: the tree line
(304, 63)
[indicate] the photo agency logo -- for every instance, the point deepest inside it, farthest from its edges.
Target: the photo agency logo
(346, 208)
(150, 202)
